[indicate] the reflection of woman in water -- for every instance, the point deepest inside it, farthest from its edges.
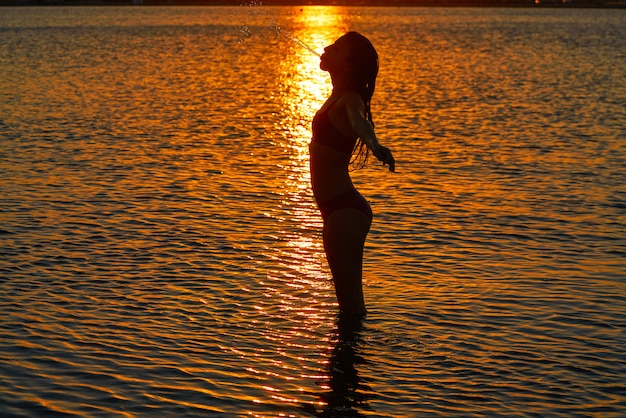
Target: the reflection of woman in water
(343, 134)
(347, 391)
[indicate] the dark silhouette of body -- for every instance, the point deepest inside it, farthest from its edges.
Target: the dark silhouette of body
(343, 134)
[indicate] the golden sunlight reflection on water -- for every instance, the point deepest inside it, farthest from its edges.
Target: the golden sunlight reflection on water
(303, 89)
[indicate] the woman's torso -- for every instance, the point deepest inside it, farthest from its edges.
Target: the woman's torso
(330, 153)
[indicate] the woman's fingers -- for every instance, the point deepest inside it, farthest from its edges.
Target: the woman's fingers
(392, 163)
(386, 157)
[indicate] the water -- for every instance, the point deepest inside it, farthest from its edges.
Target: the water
(161, 252)
(280, 32)
(258, 13)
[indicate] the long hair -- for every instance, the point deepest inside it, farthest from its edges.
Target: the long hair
(363, 60)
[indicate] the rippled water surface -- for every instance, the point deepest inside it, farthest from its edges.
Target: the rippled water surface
(161, 251)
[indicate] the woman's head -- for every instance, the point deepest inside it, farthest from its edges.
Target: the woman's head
(354, 60)
(354, 57)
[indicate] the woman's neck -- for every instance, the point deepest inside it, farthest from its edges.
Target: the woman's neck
(342, 90)
(340, 81)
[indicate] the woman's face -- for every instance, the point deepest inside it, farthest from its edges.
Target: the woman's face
(335, 56)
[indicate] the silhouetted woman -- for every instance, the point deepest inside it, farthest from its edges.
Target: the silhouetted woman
(343, 134)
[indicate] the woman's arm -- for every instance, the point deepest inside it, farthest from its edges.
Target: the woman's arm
(363, 128)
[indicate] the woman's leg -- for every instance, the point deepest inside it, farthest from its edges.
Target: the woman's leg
(344, 238)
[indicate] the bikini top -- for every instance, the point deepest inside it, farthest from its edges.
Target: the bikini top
(325, 133)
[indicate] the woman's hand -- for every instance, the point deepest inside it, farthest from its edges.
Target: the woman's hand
(385, 156)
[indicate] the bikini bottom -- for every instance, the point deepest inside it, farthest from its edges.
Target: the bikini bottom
(351, 199)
